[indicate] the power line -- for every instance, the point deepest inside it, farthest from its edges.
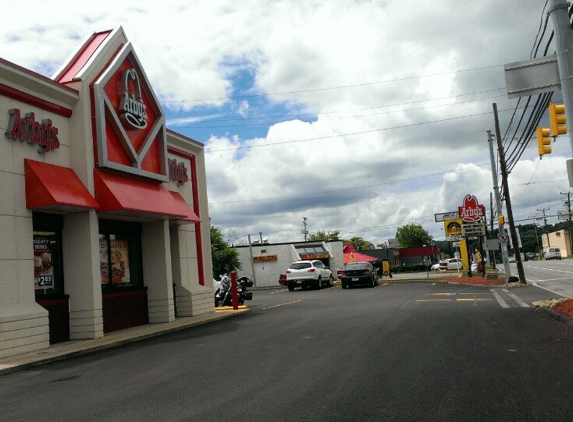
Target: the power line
(363, 84)
(311, 115)
(349, 134)
(542, 100)
(351, 189)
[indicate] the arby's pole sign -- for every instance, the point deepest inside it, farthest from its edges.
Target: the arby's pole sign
(471, 211)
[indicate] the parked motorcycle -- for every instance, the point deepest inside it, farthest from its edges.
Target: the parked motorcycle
(224, 295)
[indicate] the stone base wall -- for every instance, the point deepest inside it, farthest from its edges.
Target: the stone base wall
(23, 328)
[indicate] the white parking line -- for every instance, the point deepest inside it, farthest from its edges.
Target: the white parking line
(501, 302)
(513, 300)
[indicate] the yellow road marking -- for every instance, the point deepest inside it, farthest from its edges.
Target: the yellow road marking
(454, 300)
(475, 294)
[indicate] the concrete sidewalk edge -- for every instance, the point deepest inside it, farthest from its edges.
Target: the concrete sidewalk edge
(75, 348)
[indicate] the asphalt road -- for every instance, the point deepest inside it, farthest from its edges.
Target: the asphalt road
(555, 276)
(399, 352)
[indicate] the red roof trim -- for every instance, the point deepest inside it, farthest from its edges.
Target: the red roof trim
(185, 137)
(83, 56)
(37, 75)
(18, 95)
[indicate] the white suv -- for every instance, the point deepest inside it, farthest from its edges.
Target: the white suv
(308, 273)
(552, 253)
(451, 264)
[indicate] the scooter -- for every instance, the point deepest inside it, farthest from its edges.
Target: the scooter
(224, 295)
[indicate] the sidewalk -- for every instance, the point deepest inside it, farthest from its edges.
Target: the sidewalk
(81, 347)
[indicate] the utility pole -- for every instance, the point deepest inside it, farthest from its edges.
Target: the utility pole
(252, 261)
(504, 258)
(304, 231)
(505, 184)
(536, 235)
(558, 11)
(545, 223)
(568, 203)
(491, 218)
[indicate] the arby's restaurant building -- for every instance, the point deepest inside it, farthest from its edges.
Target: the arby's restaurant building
(103, 210)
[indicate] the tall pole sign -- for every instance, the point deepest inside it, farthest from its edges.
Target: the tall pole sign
(471, 213)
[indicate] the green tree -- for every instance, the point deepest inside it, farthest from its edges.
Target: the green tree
(412, 236)
(325, 236)
(225, 258)
(360, 244)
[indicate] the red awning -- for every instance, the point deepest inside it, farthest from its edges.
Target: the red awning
(358, 257)
(55, 188)
(191, 217)
(137, 198)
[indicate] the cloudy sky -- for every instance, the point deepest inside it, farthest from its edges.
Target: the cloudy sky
(359, 115)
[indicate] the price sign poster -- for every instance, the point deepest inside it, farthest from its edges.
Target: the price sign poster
(114, 263)
(43, 269)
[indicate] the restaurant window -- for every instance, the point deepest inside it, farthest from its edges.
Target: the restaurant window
(48, 264)
(120, 255)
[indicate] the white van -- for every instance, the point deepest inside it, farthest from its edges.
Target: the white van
(552, 253)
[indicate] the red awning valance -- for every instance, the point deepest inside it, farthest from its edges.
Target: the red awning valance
(184, 207)
(55, 188)
(137, 198)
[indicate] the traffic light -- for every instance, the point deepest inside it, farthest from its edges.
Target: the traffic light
(543, 141)
(501, 219)
(557, 119)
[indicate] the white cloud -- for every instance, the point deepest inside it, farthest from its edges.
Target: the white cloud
(400, 94)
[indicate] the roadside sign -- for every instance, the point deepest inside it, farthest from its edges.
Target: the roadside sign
(535, 76)
(502, 237)
(563, 215)
(471, 211)
(393, 244)
(492, 244)
(444, 216)
(453, 227)
(473, 229)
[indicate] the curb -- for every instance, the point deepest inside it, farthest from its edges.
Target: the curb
(556, 316)
(77, 348)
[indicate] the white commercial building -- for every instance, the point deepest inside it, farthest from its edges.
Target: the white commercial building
(265, 262)
(103, 210)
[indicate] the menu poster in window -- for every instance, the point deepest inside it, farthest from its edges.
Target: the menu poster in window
(43, 270)
(118, 257)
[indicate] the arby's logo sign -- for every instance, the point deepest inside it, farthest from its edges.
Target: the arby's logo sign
(178, 172)
(132, 107)
(27, 128)
(471, 211)
(129, 122)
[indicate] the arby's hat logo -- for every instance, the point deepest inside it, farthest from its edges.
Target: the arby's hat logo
(129, 122)
(132, 108)
(471, 211)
